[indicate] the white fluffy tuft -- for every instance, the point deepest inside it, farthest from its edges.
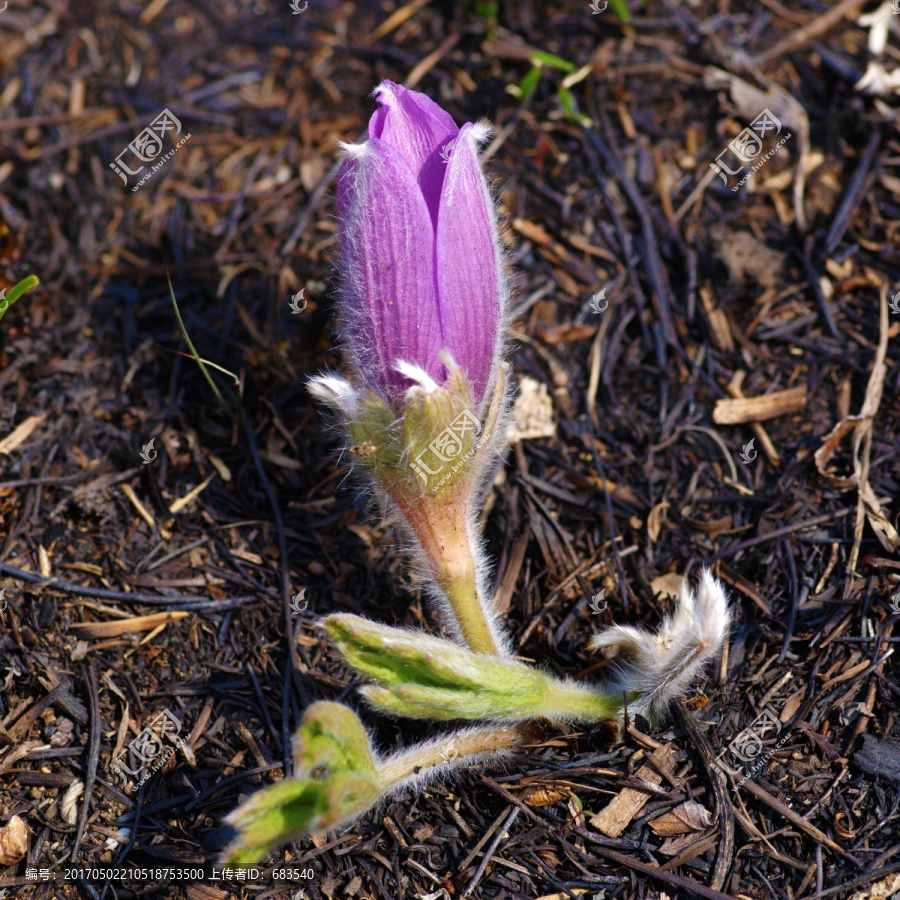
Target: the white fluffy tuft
(659, 667)
(354, 151)
(481, 131)
(335, 391)
(417, 374)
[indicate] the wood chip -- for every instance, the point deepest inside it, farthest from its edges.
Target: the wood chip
(532, 414)
(220, 467)
(617, 815)
(134, 625)
(718, 321)
(689, 816)
(179, 505)
(881, 890)
(669, 585)
(504, 595)
(655, 521)
(44, 561)
(142, 510)
(21, 434)
(544, 794)
(68, 806)
(734, 390)
(760, 409)
(205, 892)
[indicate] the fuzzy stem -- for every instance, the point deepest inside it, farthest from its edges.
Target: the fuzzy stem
(574, 703)
(459, 583)
(413, 761)
(442, 529)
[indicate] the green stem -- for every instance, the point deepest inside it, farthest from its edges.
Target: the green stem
(460, 585)
(576, 703)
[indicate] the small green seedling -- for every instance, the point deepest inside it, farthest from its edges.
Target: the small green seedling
(7, 299)
(203, 363)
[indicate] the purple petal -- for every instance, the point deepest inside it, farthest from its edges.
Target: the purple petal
(469, 266)
(389, 300)
(418, 128)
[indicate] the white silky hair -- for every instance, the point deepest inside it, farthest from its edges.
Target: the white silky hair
(659, 666)
(334, 390)
(416, 373)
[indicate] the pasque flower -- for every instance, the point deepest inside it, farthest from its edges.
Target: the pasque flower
(423, 302)
(421, 266)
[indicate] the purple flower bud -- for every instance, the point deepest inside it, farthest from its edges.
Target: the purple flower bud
(421, 263)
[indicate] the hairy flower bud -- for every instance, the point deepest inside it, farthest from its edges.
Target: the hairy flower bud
(421, 265)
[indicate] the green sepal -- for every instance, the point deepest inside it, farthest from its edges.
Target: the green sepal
(414, 701)
(293, 808)
(331, 739)
(336, 779)
(426, 450)
(395, 656)
(441, 432)
(274, 815)
(375, 435)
